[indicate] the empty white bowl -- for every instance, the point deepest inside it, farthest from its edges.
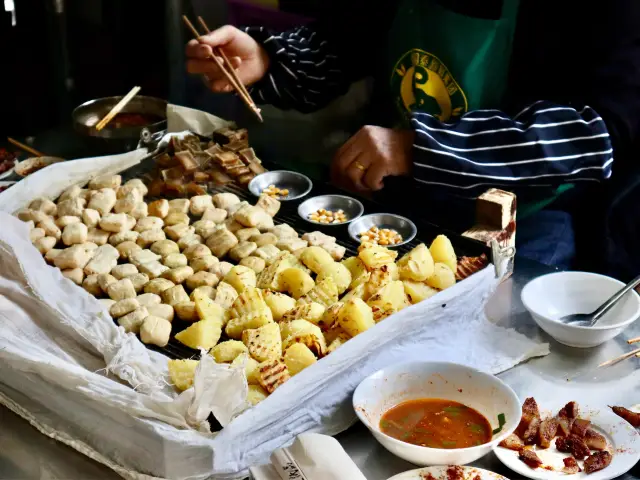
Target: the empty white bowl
(416, 380)
(553, 296)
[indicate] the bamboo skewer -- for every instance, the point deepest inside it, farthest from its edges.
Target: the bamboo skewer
(26, 148)
(118, 107)
(633, 340)
(235, 84)
(624, 356)
(232, 70)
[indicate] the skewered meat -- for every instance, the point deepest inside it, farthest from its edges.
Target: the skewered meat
(597, 461)
(632, 417)
(580, 427)
(570, 466)
(547, 432)
(573, 445)
(512, 442)
(530, 458)
(594, 440)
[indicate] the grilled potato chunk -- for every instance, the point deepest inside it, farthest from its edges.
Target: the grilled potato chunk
(302, 331)
(250, 367)
(296, 282)
(264, 342)
(375, 256)
(254, 320)
(312, 312)
(225, 295)
(207, 309)
(443, 277)
(272, 374)
(416, 265)
(359, 273)
(269, 278)
(256, 394)
(340, 275)
(249, 301)
(226, 352)
(241, 278)
(442, 252)
(418, 291)
(325, 293)
(390, 297)
(203, 334)
(316, 258)
(181, 373)
(278, 303)
(356, 317)
(298, 357)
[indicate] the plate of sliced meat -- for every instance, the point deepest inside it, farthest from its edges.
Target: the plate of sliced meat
(449, 472)
(576, 441)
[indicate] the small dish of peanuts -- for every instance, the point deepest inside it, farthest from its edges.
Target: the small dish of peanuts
(328, 216)
(276, 192)
(381, 236)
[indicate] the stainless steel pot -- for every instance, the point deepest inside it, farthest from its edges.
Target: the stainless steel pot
(113, 140)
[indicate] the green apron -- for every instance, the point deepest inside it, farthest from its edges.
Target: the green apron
(445, 63)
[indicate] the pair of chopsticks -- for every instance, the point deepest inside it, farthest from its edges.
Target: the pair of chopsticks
(26, 148)
(117, 108)
(225, 66)
(624, 356)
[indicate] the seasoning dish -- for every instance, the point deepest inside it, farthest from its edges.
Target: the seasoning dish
(402, 225)
(351, 208)
(551, 297)
(400, 383)
(33, 164)
(448, 472)
(297, 184)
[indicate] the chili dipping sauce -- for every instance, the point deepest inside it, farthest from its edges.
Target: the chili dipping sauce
(436, 423)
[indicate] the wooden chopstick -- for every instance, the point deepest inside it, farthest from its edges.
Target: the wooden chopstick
(633, 340)
(232, 70)
(26, 148)
(624, 356)
(117, 108)
(236, 85)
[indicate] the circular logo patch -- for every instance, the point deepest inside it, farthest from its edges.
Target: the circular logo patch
(421, 82)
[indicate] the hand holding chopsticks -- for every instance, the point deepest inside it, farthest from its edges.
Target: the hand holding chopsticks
(224, 66)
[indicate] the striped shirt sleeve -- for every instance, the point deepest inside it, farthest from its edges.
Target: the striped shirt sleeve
(544, 145)
(306, 71)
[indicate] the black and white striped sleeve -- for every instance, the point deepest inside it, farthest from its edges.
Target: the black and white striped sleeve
(544, 145)
(306, 71)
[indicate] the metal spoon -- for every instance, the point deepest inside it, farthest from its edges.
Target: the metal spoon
(590, 319)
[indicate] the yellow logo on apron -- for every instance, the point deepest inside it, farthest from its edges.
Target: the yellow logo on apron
(421, 82)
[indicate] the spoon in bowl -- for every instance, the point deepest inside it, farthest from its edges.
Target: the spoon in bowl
(590, 319)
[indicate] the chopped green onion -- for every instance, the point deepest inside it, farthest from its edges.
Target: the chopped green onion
(501, 422)
(475, 428)
(448, 443)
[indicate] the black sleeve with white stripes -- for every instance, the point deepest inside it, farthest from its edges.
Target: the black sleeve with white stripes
(306, 71)
(544, 145)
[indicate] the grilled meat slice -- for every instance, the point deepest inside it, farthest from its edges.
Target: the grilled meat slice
(512, 442)
(570, 466)
(547, 432)
(573, 445)
(597, 461)
(564, 426)
(632, 417)
(530, 458)
(530, 412)
(594, 440)
(570, 410)
(530, 435)
(580, 427)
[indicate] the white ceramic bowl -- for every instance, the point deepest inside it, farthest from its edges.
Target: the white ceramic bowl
(415, 380)
(553, 296)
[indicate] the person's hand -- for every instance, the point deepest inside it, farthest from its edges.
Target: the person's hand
(372, 154)
(248, 57)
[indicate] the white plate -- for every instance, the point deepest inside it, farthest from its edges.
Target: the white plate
(440, 473)
(10, 171)
(623, 438)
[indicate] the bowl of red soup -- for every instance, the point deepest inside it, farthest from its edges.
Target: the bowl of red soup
(437, 413)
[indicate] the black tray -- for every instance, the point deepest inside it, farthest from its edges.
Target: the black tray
(289, 214)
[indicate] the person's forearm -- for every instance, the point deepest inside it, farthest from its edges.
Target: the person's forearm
(543, 146)
(305, 73)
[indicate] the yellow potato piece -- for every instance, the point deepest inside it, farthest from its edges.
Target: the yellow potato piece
(240, 278)
(356, 317)
(390, 297)
(418, 291)
(443, 277)
(339, 273)
(228, 351)
(374, 256)
(203, 334)
(325, 293)
(250, 367)
(236, 326)
(181, 373)
(416, 265)
(298, 357)
(296, 282)
(264, 342)
(278, 303)
(207, 309)
(316, 258)
(442, 252)
(256, 394)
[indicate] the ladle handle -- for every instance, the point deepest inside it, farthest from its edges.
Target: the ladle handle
(606, 306)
